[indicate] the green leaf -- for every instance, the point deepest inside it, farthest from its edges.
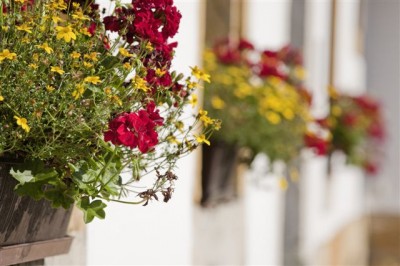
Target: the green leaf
(109, 62)
(22, 176)
(92, 209)
(34, 190)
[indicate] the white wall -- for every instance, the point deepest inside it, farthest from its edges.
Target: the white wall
(159, 233)
(268, 27)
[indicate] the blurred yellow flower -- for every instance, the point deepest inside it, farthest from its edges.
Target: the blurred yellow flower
(92, 79)
(45, 47)
(23, 123)
(199, 74)
(283, 183)
(193, 100)
(202, 139)
(217, 102)
(57, 70)
(6, 54)
(65, 33)
(124, 52)
(24, 27)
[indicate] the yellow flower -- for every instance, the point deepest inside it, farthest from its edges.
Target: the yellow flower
(34, 66)
(24, 27)
(57, 70)
(45, 47)
(50, 88)
(92, 79)
(20, 1)
(243, 90)
(127, 66)
(78, 92)
(202, 139)
(193, 100)
(333, 93)
(75, 55)
(192, 85)
(22, 122)
(217, 102)
(205, 118)
(35, 57)
(6, 54)
(56, 19)
(91, 56)
(5, 28)
(149, 47)
(85, 31)
(116, 99)
(200, 74)
(1, 98)
(283, 183)
(124, 52)
(160, 72)
(336, 110)
(87, 64)
(65, 33)
(288, 114)
(140, 84)
(79, 15)
(273, 117)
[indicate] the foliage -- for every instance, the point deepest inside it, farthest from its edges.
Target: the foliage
(82, 99)
(259, 97)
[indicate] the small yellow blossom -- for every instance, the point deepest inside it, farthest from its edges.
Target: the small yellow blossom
(107, 91)
(25, 27)
(288, 114)
(57, 70)
(75, 55)
(86, 32)
(78, 92)
(33, 66)
(20, 1)
(124, 52)
(50, 88)
(273, 117)
(283, 183)
(205, 118)
(92, 56)
(193, 100)
(45, 47)
(87, 64)
(6, 54)
(22, 122)
(65, 33)
(127, 66)
(192, 85)
(79, 15)
(35, 57)
(5, 28)
(92, 79)
(179, 125)
(202, 139)
(149, 47)
(160, 72)
(200, 74)
(217, 103)
(116, 99)
(56, 19)
(140, 84)
(336, 110)
(1, 98)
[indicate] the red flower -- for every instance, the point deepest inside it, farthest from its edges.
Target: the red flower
(350, 119)
(92, 28)
(371, 168)
(367, 103)
(319, 145)
(135, 129)
(376, 131)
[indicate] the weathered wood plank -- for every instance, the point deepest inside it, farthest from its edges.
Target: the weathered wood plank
(34, 251)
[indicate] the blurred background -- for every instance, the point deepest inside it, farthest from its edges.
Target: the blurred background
(336, 217)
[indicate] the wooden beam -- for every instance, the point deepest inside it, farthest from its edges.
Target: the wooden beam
(34, 251)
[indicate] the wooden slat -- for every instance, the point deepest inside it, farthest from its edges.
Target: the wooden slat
(34, 251)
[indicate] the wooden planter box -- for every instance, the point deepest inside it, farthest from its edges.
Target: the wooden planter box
(29, 229)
